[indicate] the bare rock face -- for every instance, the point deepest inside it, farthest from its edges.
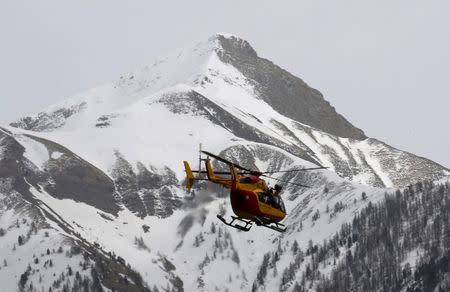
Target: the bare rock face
(194, 103)
(65, 176)
(48, 121)
(285, 92)
(145, 192)
(76, 179)
(18, 171)
(412, 168)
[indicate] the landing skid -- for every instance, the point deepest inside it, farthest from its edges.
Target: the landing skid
(271, 225)
(248, 223)
(276, 226)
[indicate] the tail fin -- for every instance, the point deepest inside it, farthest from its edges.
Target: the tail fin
(189, 175)
(234, 177)
(209, 170)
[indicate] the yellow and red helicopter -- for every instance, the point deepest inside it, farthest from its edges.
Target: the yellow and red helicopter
(252, 200)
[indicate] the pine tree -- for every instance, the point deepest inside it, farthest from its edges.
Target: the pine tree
(23, 279)
(294, 247)
(96, 285)
(363, 196)
(316, 215)
(69, 270)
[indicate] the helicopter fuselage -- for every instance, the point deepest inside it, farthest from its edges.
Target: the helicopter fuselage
(249, 195)
(251, 199)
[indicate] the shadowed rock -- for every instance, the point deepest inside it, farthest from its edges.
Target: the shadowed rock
(43, 121)
(285, 92)
(65, 177)
(194, 103)
(145, 192)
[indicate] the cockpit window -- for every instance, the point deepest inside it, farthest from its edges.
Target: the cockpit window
(264, 197)
(274, 201)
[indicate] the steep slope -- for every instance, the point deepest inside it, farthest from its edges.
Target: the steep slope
(401, 243)
(286, 93)
(166, 249)
(212, 92)
(40, 249)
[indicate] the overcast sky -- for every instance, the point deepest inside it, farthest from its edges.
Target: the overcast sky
(385, 65)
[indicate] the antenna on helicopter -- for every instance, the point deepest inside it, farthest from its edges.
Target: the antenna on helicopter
(200, 159)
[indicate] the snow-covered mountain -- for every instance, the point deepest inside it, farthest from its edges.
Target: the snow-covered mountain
(219, 92)
(101, 172)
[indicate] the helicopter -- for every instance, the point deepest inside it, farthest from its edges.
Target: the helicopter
(252, 200)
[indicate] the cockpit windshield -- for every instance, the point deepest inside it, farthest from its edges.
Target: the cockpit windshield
(274, 201)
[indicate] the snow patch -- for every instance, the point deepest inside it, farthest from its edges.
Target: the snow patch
(367, 150)
(56, 155)
(34, 151)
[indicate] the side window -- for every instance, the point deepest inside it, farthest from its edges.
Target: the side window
(282, 206)
(276, 201)
(263, 197)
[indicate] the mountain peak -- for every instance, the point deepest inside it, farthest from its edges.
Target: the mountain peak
(236, 65)
(225, 35)
(284, 92)
(229, 43)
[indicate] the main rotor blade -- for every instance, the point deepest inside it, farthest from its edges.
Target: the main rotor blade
(293, 170)
(285, 181)
(227, 161)
(219, 172)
